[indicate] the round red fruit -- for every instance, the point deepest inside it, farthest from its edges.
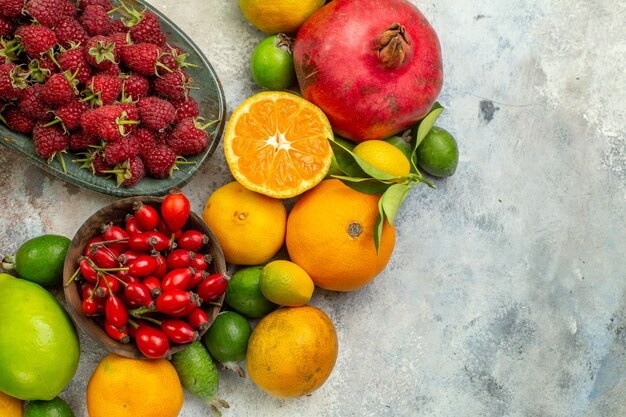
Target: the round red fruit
(147, 216)
(175, 210)
(179, 258)
(143, 266)
(153, 343)
(179, 331)
(192, 240)
(212, 287)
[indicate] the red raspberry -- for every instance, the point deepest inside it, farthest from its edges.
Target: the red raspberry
(69, 31)
(172, 59)
(46, 12)
(80, 141)
(103, 89)
(41, 69)
(146, 140)
(101, 51)
(30, 104)
(12, 81)
(131, 110)
(74, 59)
(89, 122)
(117, 25)
(96, 20)
(99, 165)
(18, 121)
(173, 86)
(58, 90)
(141, 58)
(113, 123)
(68, 8)
(147, 29)
(105, 4)
(69, 114)
(161, 137)
(36, 39)
(49, 140)
(135, 86)
(11, 8)
(112, 70)
(155, 113)
(135, 171)
(160, 162)
(186, 108)
(188, 138)
(121, 150)
(6, 27)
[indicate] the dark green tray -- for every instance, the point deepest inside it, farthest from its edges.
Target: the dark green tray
(210, 97)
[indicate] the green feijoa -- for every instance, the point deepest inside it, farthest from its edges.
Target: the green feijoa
(199, 375)
(271, 63)
(438, 154)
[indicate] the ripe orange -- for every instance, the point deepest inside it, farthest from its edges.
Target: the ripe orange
(249, 226)
(330, 234)
(124, 387)
(292, 351)
(276, 144)
(10, 406)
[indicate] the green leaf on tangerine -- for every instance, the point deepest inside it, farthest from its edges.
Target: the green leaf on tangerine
(393, 198)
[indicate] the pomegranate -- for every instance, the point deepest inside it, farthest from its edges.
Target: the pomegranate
(373, 66)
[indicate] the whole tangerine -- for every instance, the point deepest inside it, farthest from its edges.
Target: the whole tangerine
(330, 234)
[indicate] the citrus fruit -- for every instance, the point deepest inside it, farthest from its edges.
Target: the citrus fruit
(276, 143)
(271, 16)
(249, 226)
(10, 406)
(227, 339)
(125, 387)
(199, 374)
(292, 351)
(438, 154)
(41, 259)
(330, 234)
(384, 156)
(271, 63)
(39, 348)
(244, 296)
(286, 284)
(56, 407)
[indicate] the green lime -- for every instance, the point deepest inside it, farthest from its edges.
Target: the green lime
(227, 338)
(438, 154)
(56, 407)
(198, 374)
(244, 295)
(41, 259)
(401, 144)
(39, 348)
(271, 63)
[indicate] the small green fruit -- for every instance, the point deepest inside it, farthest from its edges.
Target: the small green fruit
(41, 259)
(271, 63)
(438, 154)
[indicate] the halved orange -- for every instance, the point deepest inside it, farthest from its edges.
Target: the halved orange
(276, 143)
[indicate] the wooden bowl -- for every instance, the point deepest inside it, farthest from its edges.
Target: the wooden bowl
(116, 213)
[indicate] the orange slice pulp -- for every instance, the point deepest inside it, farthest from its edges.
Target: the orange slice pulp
(276, 143)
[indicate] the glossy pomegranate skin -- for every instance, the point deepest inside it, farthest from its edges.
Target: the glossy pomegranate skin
(339, 67)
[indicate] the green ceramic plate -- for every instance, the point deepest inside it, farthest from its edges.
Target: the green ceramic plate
(209, 94)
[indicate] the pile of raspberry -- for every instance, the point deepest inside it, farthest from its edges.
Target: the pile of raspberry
(112, 90)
